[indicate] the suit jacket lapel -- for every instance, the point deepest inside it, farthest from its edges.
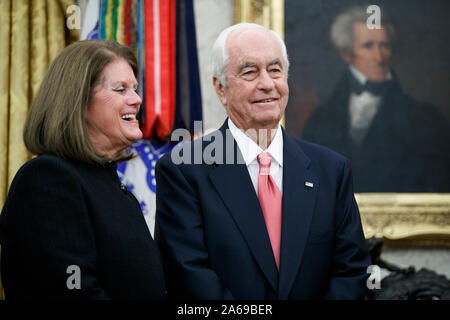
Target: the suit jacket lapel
(298, 207)
(234, 186)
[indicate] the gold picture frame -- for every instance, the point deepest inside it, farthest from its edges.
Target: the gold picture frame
(403, 219)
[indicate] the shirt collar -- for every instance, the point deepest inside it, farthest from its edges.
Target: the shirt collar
(250, 150)
(361, 77)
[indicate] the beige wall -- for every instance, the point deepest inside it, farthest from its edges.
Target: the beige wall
(211, 17)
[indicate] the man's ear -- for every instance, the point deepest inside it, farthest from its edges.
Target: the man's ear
(220, 90)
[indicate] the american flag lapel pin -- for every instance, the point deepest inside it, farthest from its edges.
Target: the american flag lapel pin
(309, 184)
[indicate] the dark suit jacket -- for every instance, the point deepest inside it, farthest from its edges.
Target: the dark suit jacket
(213, 238)
(61, 213)
(406, 148)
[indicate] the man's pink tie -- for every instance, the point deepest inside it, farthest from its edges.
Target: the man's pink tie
(270, 199)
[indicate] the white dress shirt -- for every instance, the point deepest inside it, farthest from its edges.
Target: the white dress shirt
(362, 108)
(250, 150)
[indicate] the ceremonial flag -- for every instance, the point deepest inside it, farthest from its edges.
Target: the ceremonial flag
(159, 68)
(138, 175)
(90, 27)
(188, 92)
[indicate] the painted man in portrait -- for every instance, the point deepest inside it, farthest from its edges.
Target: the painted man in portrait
(395, 143)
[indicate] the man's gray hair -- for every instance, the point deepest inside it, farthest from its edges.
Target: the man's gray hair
(219, 55)
(341, 32)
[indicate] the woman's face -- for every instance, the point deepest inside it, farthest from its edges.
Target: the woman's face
(111, 114)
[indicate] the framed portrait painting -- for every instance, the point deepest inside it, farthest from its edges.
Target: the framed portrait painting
(370, 80)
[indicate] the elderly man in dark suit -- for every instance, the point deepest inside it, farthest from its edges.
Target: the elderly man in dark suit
(396, 144)
(262, 215)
